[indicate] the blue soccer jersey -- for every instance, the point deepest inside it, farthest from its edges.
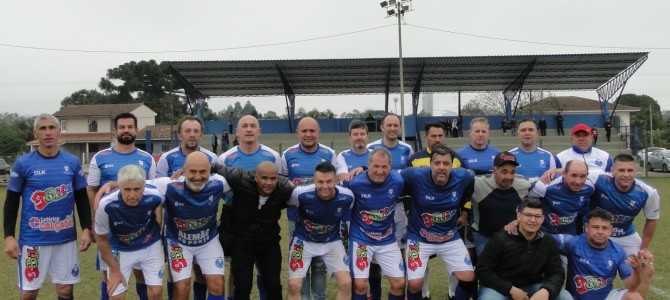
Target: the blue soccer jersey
(624, 206)
(475, 159)
(533, 164)
(190, 217)
(299, 166)
(47, 186)
(434, 209)
(174, 159)
(235, 158)
(374, 208)
(129, 228)
(592, 271)
(106, 164)
(561, 206)
(319, 220)
(399, 154)
(352, 160)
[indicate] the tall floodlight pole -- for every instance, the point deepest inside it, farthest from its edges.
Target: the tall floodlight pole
(398, 8)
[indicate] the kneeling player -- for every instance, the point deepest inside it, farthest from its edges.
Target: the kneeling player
(128, 234)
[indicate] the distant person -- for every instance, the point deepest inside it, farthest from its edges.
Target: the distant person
(594, 132)
(236, 142)
(224, 141)
(542, 125)
(215, 143)
(608, 130)
(459, 123)
(512, 125)
(454, 127)
(231, 119)
(559, 124)
(371, 123)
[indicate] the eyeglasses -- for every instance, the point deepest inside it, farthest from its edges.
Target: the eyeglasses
(532, 216)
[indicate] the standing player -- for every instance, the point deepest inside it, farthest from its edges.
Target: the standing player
(400, 154)
(50, 182)
(358, 154)
(582, 148)
(128, 233)
(321, 208)
(298, 163)
(373, 237)
(434, 135)
(533, 160)
(594, 261)
(624, 196)
(438, 193)
(104, 167)
(478, 155)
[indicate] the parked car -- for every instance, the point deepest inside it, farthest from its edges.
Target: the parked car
(659, 159)
(4, 170)
(640, 154)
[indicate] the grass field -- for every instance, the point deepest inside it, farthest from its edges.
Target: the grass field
(90, 279)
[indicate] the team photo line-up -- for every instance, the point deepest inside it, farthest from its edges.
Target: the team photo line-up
(517, 224)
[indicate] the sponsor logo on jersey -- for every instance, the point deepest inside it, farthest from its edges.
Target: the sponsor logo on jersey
(556, 220)
(107, 166)
(43, 198)
(436, 237)
(51, 223)
(318, 228)
(296, 255)
(190, 224)
(589, 283)
(376, 215)
(362, 257)
(127, 238)
(437, 217)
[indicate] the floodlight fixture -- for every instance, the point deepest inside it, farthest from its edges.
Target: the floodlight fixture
(384, 4)
(390, 12)
(404, 8)
(392, 2)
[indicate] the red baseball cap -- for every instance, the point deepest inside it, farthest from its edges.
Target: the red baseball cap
(581, 127)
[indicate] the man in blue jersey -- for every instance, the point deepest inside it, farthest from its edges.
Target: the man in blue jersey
(400, 154)
(298, 163)
(533, 160)
(624, 196)
(438, 193)
(594, 261)
(372, 234)
(104, 167)
(582, 148)
(496, 198)
(247, 155)
(321, 208)
(478, 155)
(128, 233)
(357, 155)
(190, 131)
(50, 182)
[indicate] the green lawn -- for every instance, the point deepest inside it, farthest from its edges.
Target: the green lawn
(90, 279)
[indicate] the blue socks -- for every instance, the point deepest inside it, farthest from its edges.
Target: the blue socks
(103, 291)
(355, 296)
(170, 289)
(394, 297)
(199, 291)
(414, 296)
(261, 287)
(375, 287)
(212, 297)
(465, 290)
(141, 289)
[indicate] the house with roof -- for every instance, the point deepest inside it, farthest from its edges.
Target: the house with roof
(577, 110)
(87, 129)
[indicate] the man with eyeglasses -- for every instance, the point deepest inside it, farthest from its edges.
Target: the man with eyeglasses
(525, 264)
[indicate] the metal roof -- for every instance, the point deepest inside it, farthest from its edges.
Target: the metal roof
(369, 75)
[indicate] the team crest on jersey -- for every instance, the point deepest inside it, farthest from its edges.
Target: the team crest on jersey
(177, 260)
(296, 255)
(41, 199)
(390, 193)
(66, 170)
(160, 273)
(141, 163)
(467, 260)
(543, 164)
(362, 257)
(413, 258)
(598, 162)
(75, 271)
(589, 283)
(610, 264)
(32, 269)
(211, 200)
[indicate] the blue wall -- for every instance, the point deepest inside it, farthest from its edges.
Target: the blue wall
(342, 125)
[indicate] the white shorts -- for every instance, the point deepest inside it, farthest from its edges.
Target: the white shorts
(616, 294)
(60, 261)
(400, 219)
(149, 260)
(454, 254)
(181, 258)
(301, 253)
(388, 257)
(630, 243)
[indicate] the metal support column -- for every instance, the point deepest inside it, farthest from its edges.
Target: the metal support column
(416, 93)
(617, 83)
(290, 98)
(387, 89)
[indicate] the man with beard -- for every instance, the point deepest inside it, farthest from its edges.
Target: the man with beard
(594, 261)
(190, 132)
(104, 168)
(357, 155)
(525, 264)
(435, 134)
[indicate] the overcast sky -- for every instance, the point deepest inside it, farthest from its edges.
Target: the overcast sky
(34, 81)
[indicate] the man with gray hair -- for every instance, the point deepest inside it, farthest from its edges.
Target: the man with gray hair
(50, 182)
(128, 233)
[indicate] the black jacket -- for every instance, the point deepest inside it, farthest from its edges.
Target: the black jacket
(510, 260)
(243, 221)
